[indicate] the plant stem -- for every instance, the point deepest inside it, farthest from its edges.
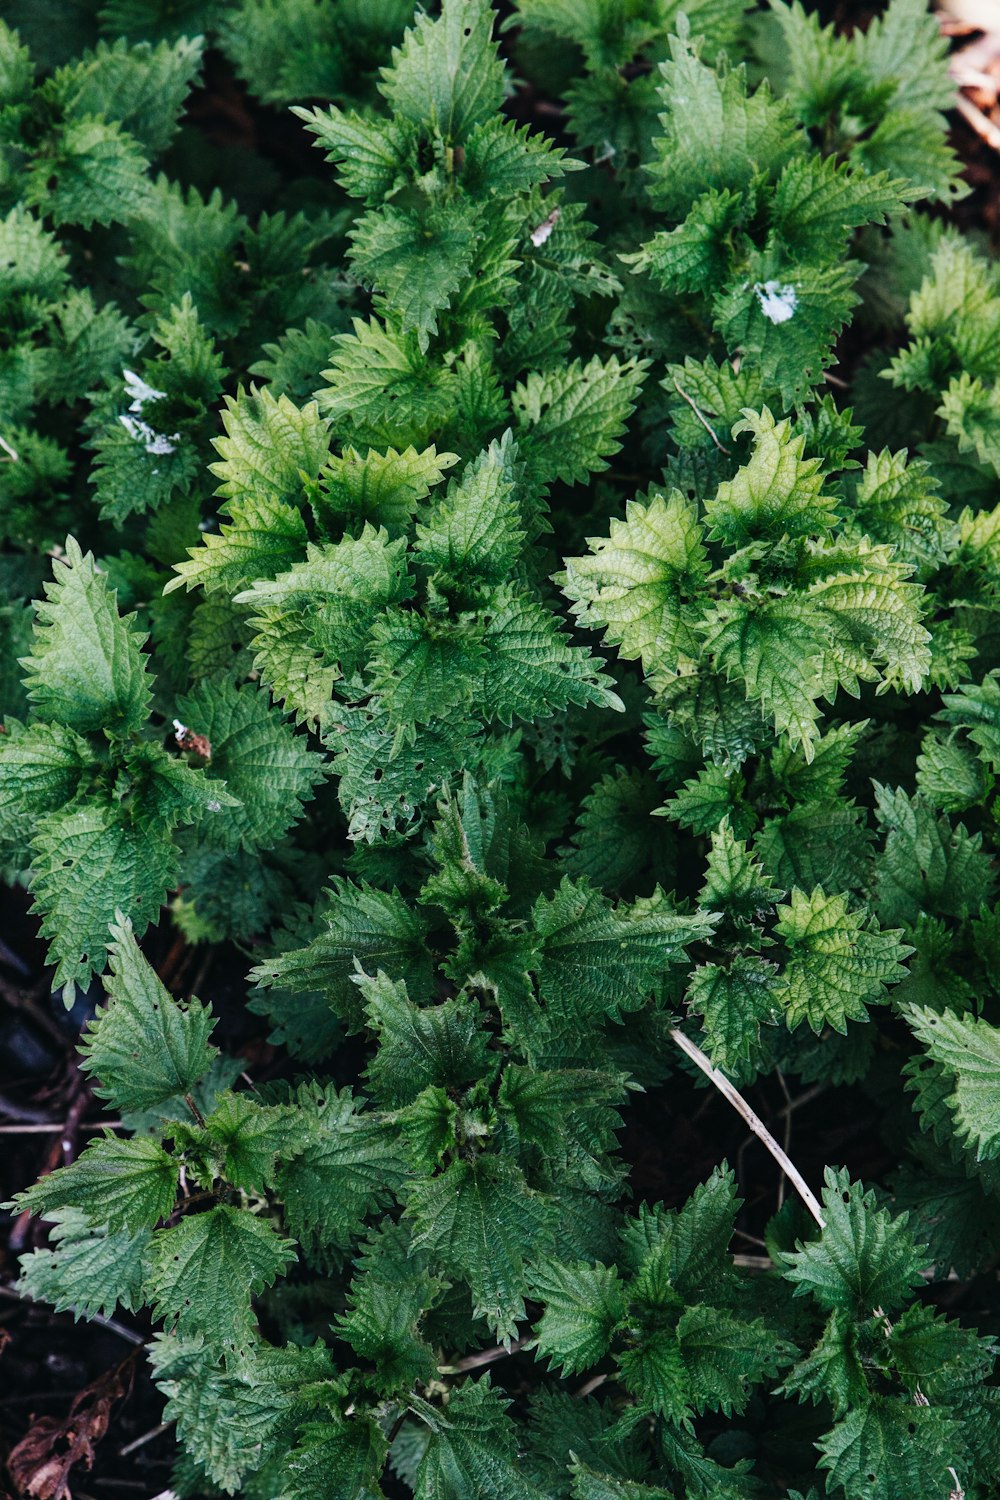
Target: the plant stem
(754, 1121)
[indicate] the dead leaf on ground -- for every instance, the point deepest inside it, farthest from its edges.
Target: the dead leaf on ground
(41, 1462)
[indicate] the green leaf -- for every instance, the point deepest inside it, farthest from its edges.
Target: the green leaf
(976, 707)
(713, 797)
(818, 202)
(261, 538)
(968, 1047)
(361, 928)
(141, 87)
(482, 1221)
(725, 1357)
(383, 389)
(419, 1046)
(775, 647)
(88, 864)
(143, 1045)
(261, 760)
(32, 261)
(372, 158)
(228, 1417)
(42, 767)
(934, 1354)
(777, 493)
(350, 1163)
(733, 1003)
(529, 668)
(271, 449)
(696, 253)
(839, 961)
(832, 1370)
(204, 1271)
(571, 419)
(385, 784)
(700, 1266)
(423, 667)
(590, 1485)
(870, 617)
(117, 1184)
(611, 841)
(787, 318)
(600, 960)
(928, 864)
(87, 670)
(883, 1448)
(92, 172)
(447, 74)
(735, 882)
(653, 1370)
(475, 531)
(88, 1270)
(312, 622)
(950, 774)
(417, 262)
(473, 1451)
(250, 1138)
(640, 582)
(706, 1479)
(337, 1461)
(739, 134)
(383, 489)
(583, 1305)
(386, 1305)
(863, 1258)
(823, 840)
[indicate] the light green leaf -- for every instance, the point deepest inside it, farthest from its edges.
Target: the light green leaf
(87, 670)
(475, 531)
(641, 580)
(778, 492)
(447, 74)
(271, 449)
(839, 961)
(261, 538)
(143, 1046)
(969, 1048)
(87, 1270)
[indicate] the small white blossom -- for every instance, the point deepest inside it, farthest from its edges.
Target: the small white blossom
(138, 430)
(140, 392)
(777, 302)
(152, 441)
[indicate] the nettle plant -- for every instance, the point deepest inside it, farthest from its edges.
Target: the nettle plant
(483, 409)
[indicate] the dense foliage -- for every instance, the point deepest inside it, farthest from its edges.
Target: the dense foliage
(613, 666)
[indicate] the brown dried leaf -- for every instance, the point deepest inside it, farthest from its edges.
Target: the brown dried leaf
(40, 1464)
